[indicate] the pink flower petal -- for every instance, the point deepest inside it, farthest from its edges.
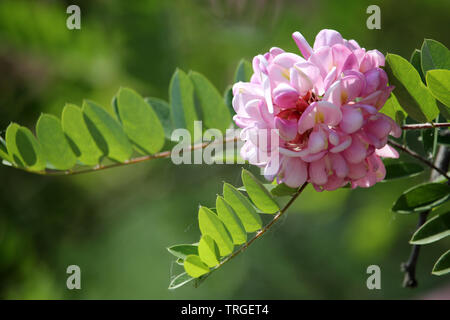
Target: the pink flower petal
(302, 44)
(356, 152)
(317, 172)
(287, 128)
(327, 37)
(294, 172)
(285, 96)
(352, 119)
(387, 152)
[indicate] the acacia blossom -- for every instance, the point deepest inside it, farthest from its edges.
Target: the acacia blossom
(325, 105)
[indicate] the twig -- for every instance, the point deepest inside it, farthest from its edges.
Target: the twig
(419, 157)
(160, 155)
(419, 126)
(261, 232)
(409, 267)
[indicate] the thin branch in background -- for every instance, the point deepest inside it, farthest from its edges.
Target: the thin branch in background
(419, 157)
(160, 155)
(409, 267)
(261, 232)
(419, 126)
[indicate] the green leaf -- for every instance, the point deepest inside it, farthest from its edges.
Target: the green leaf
(181, 92)
(228, 97)
(412, 94)
(11, 146)
(54, 143)
(162, 110)
(23, 148)
(260, 196)
(393, 110)
(4, 151)
(433, 230)
(282, 190)
(434, 56)
(415, 60)
(243, 71)
(442, 266)
(208, 251)
(179, 261)
(228, 217)
(243, 208)
(195, 267)
(77, 133)
(215, 113)
(140, 122)
(211, 225)
(396, 169)
(107, 132)
(180, 280)
(438, 82)
(422, 198)
(183, 250)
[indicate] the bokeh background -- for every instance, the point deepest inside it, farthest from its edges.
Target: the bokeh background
(116, 224)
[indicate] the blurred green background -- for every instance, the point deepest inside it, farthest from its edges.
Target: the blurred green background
(116, 224)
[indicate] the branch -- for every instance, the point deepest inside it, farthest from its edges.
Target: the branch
(419, 126)
(419, 157)
(409, 267)
(160, 155)
(261, 232)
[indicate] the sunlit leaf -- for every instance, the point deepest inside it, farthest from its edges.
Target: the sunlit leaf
(410, 91)
(393, 110)
(183, 250)
(4, 151)
(181, 93)
(23, 148)
(260, 196)
(139, 122)
(243, 208)
(194, 266)
(434, 55)
(77, 133)
(211, 225)
(442, 266)
(107, 132)
(433, 230)
(228, 217)
(54, 143)
(162, 110)
(282, 190)
(215, 113)
(208, 251)
(438, 82)
(422, 198)
(415, 60)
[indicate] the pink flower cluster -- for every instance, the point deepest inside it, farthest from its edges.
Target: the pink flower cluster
(325, 106)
